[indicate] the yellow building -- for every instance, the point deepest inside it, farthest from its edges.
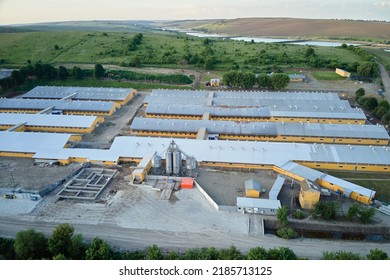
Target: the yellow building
(307, 195)
(343, 73)
(252, 189)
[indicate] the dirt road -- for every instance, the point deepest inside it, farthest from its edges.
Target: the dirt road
(386, 81)
(136, 239)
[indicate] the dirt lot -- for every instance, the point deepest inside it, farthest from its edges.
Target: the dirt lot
(24, 173)
(224, 186)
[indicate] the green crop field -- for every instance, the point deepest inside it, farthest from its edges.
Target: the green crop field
(327, 76)
(158, 50)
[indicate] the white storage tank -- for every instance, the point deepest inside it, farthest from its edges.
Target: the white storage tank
(176, 162)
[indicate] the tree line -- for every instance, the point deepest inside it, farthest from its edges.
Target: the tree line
(65, 244)
(44, 71)
(380, 109)
(274, 81)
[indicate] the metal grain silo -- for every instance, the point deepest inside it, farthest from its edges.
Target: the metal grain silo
(168, 161)
(176, 161)
(190, 163)
(156, 161)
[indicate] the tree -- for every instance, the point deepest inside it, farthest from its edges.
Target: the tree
(99, 71)
(281, 253)
(56, 47)
(77, 73)
(230, 254)
(340, 255)
(64, 242)
(359, 93)
(353, 211)
(309, 52)
(386, 119)
(384, 103)
(18, 77)
(98, 250)
(30, 245)
(264, 81)
(370, 103)
(201, 254)
(282, 214)
(7, 251)
(60, 241)
(368, 69)
(326, 209)
(135, 62)
(366, 214)
(62, 72)
(279, 80)
(287, 233)
(376, 254)
(153, 253)
(380, 112)
(257, 253)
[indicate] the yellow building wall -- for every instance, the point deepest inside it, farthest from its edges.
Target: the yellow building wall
(15, 154)
(360, 198)
(308, 198)
(252, 193)
(163, 134)
(183, 117)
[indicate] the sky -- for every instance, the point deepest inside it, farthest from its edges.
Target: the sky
(33, 11)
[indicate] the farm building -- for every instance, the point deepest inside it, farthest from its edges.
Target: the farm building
(49, 123)
(308, 196)
(297, 78)
(231, 154)
(65, 107)
(257, 206)
(262, 131)
(256, 106)
(343, 73)
(118, 95)
(5, 73)
(252, 189)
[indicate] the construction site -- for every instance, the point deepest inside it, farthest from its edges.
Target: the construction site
(211, 154)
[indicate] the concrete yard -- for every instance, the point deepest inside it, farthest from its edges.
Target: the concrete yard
(224, 186)
(24, 173)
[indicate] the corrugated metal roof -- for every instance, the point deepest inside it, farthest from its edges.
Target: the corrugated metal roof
(246, 94)
(40, 104)
(199, 110)
(32, 142)
(82, 93)
(258, 203)
(276, 188)
(47, 120)
(262, 128)
(279, 108)
(252, 185)
(5, 73)
(312, 175)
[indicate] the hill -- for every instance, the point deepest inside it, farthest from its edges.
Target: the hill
(291, 27)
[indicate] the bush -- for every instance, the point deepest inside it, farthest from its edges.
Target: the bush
(366, 214)
(298, 214)
(287, 233)
(340, 255)
(359, 93)
(386, 119)
(326, 209)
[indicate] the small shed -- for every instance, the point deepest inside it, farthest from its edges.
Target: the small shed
(343, 73)
(308, 196)
(187, 183)
(252, 188)
(297, 78)
(257, 206)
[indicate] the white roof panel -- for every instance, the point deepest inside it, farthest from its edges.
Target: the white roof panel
(47, 120)
(40, 104)
(80, 93)
(258, 203)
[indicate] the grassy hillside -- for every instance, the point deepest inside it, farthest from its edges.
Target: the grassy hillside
(296, 28)
(174, 51)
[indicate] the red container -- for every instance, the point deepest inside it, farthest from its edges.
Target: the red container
(187, 183)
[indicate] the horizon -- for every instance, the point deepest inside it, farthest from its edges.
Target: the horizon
(50, 11)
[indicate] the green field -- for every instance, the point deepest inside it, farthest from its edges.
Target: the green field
(158, 50)
(379, 182)
(327, 76)
(383, 57)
